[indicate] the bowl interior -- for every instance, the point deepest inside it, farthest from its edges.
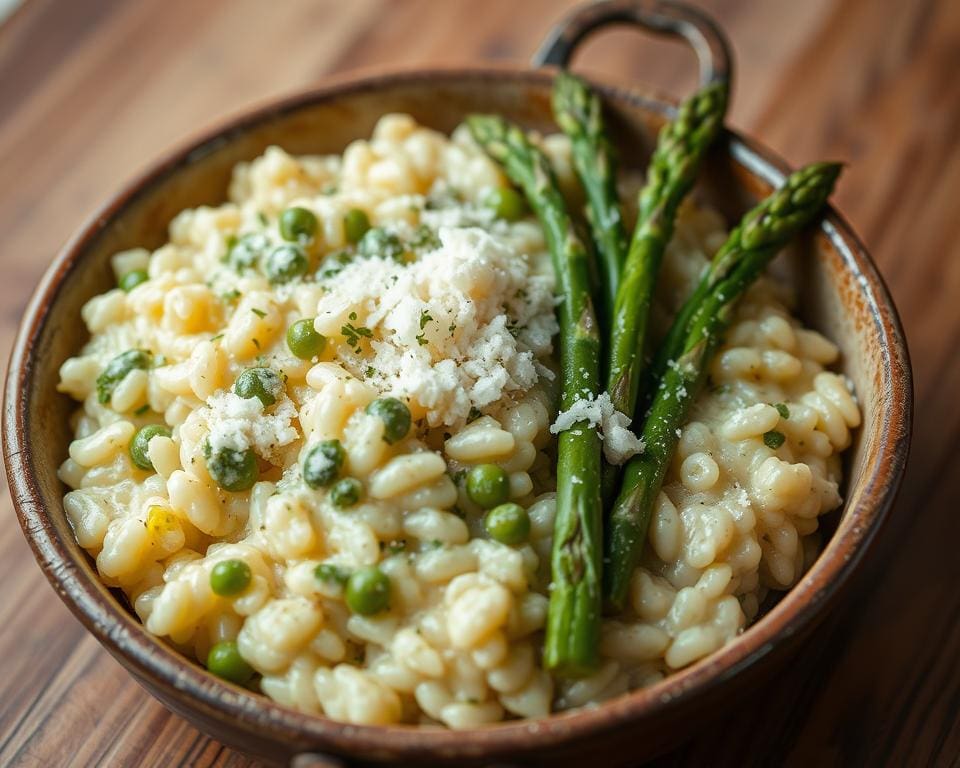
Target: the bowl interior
(840, 294)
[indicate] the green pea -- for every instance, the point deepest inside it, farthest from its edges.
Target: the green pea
(245, 252)
(773, 439)
(297, 224)
(132, 279)
(508, 524)
(395, 416)
(322, 463)
(232, 470)
(284, 263)
(488, 485)
(355, 225)
(304, 341)
(117, 370)
(230, 577)
(506, 203)
(346, 492)
(140, 443)
(379, 242)
(263, 383)
(368, 591)
(331, 574)
(224, 660)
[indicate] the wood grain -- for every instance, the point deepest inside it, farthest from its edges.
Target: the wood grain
(92, 90)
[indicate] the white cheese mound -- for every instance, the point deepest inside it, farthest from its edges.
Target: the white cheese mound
(619, 443)
(462, 327)
(237, 423)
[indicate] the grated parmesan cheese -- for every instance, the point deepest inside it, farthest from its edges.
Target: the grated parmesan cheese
(464, 326)
(237, 423)
(619, 443)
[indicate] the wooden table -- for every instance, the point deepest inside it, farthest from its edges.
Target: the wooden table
(92, 90)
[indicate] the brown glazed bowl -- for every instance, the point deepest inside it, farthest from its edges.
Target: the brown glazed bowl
(841, 294)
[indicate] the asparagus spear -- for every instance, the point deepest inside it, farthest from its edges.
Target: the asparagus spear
(673, 169)
(573, 621)
(787, 203)
(748, 250)
(579, 114)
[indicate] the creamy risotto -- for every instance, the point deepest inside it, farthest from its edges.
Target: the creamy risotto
(290, 412)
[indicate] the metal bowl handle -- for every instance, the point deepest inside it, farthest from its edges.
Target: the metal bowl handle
(662, 17)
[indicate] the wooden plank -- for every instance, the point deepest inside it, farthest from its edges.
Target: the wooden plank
(92, 90)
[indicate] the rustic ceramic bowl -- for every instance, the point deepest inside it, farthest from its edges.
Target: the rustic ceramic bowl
(842, 295)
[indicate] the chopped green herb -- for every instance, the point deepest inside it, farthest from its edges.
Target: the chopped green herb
(474, 414)
(217, 337)
(230, 296)
(783, 410)
(352, 333)
(258, 312)
(262, 218)
(142, 410)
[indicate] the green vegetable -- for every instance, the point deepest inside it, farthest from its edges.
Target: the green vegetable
(230, 577)
(379, 242)
(140, 442)
(773, 439)
(264, 384)
(783, 410)
(232, 470)
(749, 248)
(394, 415)
(284, 263)
(356, 223)
(368, 591)
(322, 463)
(506, 203)
(508, 524)
(224, 660)
(132, 279)
(573, 622)
(681, 147)
(297, 224)
(304, 341)
(346, 492)
(245, 252)
(332, 574)
(488, 485)
(117, 370)
(765, 228)
(579, 114)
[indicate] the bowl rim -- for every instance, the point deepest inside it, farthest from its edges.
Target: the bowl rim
(149, 658)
